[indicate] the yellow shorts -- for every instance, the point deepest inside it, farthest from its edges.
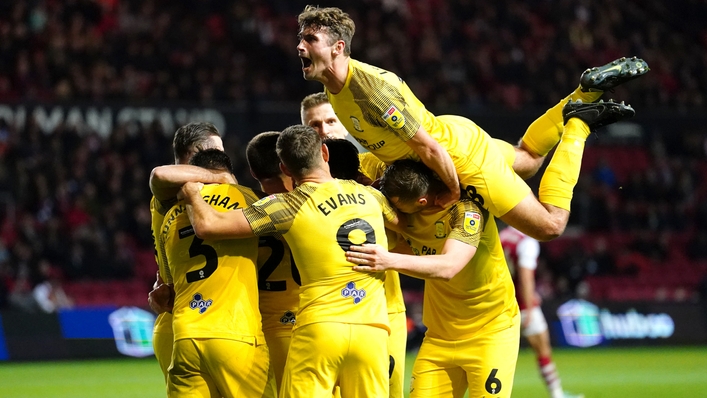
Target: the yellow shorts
(163, 341)
(485, 364)
(397, 343)
(325, 354)
(279, 345)
(220, 368)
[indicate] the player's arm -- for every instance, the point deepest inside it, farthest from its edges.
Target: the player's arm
(437, 158)
(538, 220)
(165, 181)
(211, 224)
(375, 258)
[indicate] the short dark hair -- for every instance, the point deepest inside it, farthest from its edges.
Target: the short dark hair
(299, 149)
(337, 24)
(409, 180)
(343, 158)
(212, 159)
(261, 154)
(191, 138)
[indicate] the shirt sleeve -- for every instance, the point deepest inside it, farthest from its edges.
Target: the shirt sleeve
(389, 213)
(270, 215)
(386, 101)
(467, 222)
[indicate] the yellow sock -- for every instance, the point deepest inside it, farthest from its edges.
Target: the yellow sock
(509, 151)
(545, 132)
(562, 172)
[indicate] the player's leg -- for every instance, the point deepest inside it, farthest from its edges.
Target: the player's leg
(238, 368)
(434, 373)
(562, 172)
(364, 371)
(545, 217)
(186, 376)
(314, 360)
(539, 339)
(490, 357)
(544, 133)
(163, 341)
(397, 342)
(278, 344)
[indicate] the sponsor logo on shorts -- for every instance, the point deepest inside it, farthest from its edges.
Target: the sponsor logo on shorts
(351, 291)
(199, 303)
(288, 318)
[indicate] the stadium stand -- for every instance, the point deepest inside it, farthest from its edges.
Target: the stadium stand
(79, 200)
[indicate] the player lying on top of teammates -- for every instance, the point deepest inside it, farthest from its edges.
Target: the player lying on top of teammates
(383, 114)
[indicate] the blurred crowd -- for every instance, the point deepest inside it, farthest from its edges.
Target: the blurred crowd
(471, 54)
(74, 205)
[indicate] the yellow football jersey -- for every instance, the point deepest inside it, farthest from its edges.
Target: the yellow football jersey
(162, 338)
(382, 113)
(157, 213)
(458, 308)
(215, 281)
(371, 166)
(320, 222)
(278, 283)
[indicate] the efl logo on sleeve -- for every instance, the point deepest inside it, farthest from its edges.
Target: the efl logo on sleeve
(264, 200)
(472, 221)
(394, 118)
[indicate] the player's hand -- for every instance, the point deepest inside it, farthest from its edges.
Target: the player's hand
(370, 258)
(225, 177)
(447, 198)
(190, 189)
(161, 298)
(158, 281)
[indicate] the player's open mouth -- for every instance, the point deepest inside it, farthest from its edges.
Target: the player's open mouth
(306, 62)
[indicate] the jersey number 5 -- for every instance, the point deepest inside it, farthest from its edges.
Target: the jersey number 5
(197, 248)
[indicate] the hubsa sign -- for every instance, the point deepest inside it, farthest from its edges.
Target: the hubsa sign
(583, 324)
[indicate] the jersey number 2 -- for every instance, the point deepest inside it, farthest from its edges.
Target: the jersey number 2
(277, 253)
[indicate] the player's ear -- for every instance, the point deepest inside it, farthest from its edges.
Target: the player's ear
(284, 170)
(325, 153)
(339, 47)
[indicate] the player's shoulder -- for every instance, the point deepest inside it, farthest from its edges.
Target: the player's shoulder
(362, 69)
(465, 205)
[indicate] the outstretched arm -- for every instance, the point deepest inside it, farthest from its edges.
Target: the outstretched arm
(374, 258)
(209, 223)
(165, 181)
(437, 158)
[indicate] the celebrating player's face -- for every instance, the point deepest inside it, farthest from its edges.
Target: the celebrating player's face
(315, 52)
(323, 119)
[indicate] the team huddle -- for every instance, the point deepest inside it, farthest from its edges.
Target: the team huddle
(292, 289)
